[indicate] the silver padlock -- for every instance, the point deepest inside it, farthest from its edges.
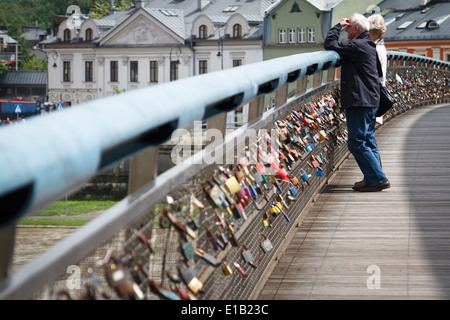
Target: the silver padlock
(248, 257)
(266, 245)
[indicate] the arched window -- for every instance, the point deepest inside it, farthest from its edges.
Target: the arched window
(202, 32)
(88, 34)
(67, 35)
(237, 31)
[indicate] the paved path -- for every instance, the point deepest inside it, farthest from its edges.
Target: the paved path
(393, 244)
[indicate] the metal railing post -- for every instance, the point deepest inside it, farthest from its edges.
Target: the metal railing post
(143, 169)
(7, 238)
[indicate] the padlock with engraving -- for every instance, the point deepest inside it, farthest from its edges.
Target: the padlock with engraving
(248, 257)
(120, 280)
(190, 279)
(266, 244)
(226, 269)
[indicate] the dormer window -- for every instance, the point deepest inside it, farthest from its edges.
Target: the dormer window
(237, 31)
(67, 35)
(432, 24)
(89, 34)
(202, 32)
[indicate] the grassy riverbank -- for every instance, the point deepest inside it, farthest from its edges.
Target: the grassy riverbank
(72, 213)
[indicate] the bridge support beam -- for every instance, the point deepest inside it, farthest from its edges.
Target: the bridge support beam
(301, 85)
(7, 238)
(143, 169)
(281, 95)
(256, 108)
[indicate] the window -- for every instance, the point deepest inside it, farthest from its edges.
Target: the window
(89, 71)
(202, 32)
(311, 35)
(231, 8)
(169, 13)
(202, 66)
(66, 71)
(153, 71)
(67, 35)
(237, 63)
(133, 71)
(173, 70)
(89, 34)
(291, 35)
(301, 35)
(114, 71)
(237, 31)
(282, 36)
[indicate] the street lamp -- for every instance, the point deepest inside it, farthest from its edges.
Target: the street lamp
(54, 56)
(174, 67)
(220, 51)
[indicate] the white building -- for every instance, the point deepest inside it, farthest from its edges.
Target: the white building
(155, 41)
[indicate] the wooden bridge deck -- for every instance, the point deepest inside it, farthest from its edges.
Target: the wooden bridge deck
(393, 244)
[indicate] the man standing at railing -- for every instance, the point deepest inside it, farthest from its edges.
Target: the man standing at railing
(360, 95)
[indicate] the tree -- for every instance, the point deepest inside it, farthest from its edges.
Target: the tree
(34, 63)
(101, 8)
(3, 68)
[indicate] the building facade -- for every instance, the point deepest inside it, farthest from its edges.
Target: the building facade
(153, 42)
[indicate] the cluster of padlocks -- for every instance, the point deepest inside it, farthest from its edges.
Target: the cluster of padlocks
(230, 220)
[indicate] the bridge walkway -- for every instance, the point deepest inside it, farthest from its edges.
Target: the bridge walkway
(393, 244)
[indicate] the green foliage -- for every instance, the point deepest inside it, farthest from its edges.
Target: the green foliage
(18, 13)
(75, 207)
(3, 68)
(101, 8)
(34, 63)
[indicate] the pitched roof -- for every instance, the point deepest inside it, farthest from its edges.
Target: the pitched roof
(430, 22)
(24, 78)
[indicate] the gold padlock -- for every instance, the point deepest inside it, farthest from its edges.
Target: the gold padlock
(232, 185)
(226, 269)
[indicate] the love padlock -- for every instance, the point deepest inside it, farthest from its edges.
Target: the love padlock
(266, 245)
(248, 257)
(226, 269)
(305, 176)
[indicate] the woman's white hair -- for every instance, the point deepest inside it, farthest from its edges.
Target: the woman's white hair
(377, 24)
(360, 21)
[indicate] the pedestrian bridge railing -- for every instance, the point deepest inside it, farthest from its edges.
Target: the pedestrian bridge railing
(208, 227)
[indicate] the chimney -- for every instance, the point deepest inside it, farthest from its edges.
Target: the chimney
(138, 3)
(112, 9)
(424, 2)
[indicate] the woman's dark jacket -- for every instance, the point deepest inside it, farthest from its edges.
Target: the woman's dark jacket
(360, 85)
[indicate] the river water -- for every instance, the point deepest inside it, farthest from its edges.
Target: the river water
(32, 241)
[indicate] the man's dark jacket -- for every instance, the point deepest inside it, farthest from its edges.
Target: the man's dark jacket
(360, 86)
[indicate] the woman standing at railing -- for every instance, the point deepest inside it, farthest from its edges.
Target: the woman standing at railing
(377, 31)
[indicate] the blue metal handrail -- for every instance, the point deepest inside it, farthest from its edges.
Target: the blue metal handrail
(53, 154)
